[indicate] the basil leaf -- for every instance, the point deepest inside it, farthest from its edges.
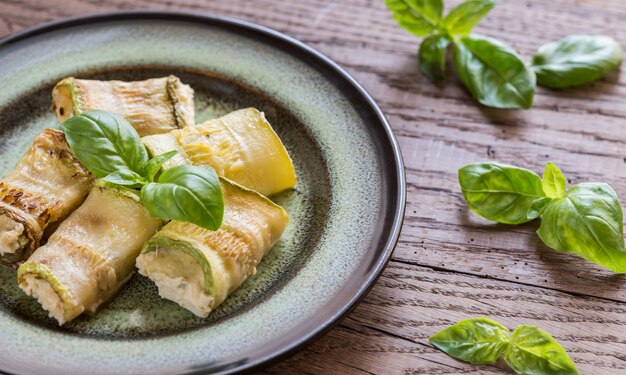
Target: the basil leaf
(462, 19)
(538, 207)
(553, 181)
(104, 142)
(432, 57)
(153, 166)
(588, 221)
(493, 72)
(534, 352)
(500, 192)
(576, 60)
(186, 193)
(420, 17)
(477, 341)
(126, 177)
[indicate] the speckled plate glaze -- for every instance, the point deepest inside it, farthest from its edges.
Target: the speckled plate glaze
(346, 210)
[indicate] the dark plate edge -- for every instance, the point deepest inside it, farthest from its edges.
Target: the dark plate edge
(399, 210)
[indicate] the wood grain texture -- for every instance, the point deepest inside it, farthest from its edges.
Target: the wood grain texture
(451, 264)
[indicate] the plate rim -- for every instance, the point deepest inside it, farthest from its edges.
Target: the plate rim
(396, 158)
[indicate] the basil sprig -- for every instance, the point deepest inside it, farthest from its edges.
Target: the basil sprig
(112, 150)
(528, 350)
(586, 220)
(493, 72)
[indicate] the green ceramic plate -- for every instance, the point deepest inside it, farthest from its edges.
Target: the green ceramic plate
(346, 210)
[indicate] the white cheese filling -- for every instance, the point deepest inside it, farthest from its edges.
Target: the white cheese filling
(46, 296)
(12, 236)
(179, 278)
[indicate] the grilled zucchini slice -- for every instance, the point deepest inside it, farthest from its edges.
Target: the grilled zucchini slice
(241, 146)
(91, 255)
(198, 268)
(153, 106)
(45, 186)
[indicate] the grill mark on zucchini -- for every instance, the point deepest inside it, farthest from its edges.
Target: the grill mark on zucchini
(42, 206)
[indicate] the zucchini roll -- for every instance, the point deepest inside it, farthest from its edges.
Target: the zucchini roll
(241, 146)
(198, 268)
(91, 255)
(153, 106)
(45, 186)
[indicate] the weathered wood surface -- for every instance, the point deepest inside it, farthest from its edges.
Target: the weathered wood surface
(450, 264)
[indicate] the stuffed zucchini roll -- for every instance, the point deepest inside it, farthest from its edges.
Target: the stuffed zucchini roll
(45, 186)
(90, 255)
(199, 268)
(153, 106)
(241, 146)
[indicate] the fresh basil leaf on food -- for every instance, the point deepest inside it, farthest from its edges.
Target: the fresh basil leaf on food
(186, 193)
(432, 57)
(126, 177)
(553, 181)
(588, 221)
(576, 60)
(477, 341)
(153, 166)
(535, 352)
(420, 17)
(500, 192)
(105, 142)
(462, 19)
(493, 72)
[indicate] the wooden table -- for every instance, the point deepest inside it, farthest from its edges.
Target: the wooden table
(449, 263)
